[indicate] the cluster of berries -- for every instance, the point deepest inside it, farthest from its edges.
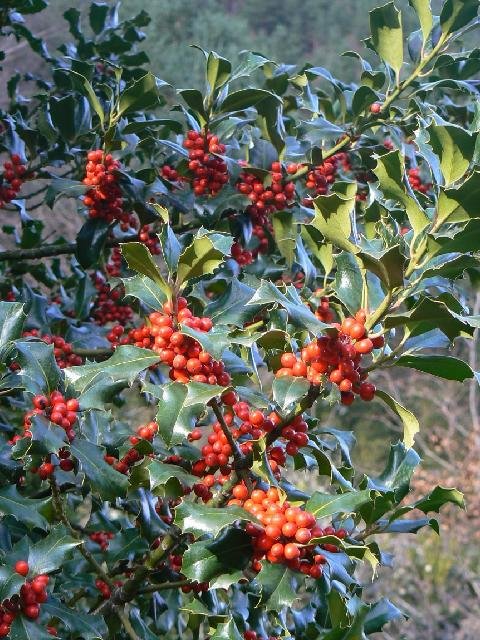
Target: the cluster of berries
(104, 198)
(107, 308)
(62, 350)
(210, 172)
(246, 426)
(261, 226)
(320, 178)
(104, 589)
(416, 181)
(183, 354)
(323, 312)
(337, 357)
(149, 239)
(32, 594)
(132, 456)
(57, 409)
(241, 255)
(102, 538)
(114, 264)
(169, 173)
(285, 532)
(277, 196)
(252, 635)
(297, 279)
(12, 179)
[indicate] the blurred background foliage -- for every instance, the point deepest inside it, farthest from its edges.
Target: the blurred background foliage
(438, 581)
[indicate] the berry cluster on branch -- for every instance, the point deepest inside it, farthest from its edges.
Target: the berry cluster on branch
(104, 198)
(209, 171)
(32, 594)
(12, 179)
(337, 357)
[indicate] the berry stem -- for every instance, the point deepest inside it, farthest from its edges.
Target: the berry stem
(127, 625)
(305, 403)
(239, 459)
(62, 516)
(153, 588)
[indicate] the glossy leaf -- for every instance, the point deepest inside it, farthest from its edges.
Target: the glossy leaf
(411, 425)
(325, 504)
(387, 35)
(445, 367)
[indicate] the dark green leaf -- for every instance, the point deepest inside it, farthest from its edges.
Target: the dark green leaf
(84, 625)
(51, 552)
(125, 364)
(325, 504)
(201, 519)
(25, 510)
(445, 367)
(90, 241)
(146, 290)
(39, 372)
(140, 259)
(103, 478)
(411, 425)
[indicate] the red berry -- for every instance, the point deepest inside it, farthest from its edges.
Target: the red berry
(21, 567)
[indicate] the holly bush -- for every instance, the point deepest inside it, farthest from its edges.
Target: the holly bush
(247, 258)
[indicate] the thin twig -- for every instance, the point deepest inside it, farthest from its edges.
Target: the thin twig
(51, 250)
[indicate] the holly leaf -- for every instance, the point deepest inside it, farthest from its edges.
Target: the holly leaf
(85, 625)
(425, 16)
(446, 367)
(285, 235)
(139, 259)
(179, 407)
(457, 13)
(201, 519)
(326, 504)
(39, 370)
(387, 35)
(103, 478)
(26, 510)
(230, 307)
(24, 629)
(202, 256)
(51, 552)
(279, 586)
(411, 425)
(227, 631)
(10, 582)
(332, 216)
(146, 290)
(223, 559)
(455, 147)
(438, 497)
(390, 171)
(287, 390)
(12, 318)
(156, 475)
(124, 365)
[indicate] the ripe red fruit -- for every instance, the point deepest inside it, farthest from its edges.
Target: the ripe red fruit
(40, 402)
(291, 551)
(288, 360)
(21, 567)
(32, 611)
(72, 404)
(375, 108)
